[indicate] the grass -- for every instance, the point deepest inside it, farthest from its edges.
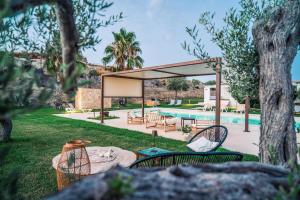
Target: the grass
(38, 136)
(187, 103)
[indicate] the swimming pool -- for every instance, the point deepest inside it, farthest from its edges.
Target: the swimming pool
(224, 119)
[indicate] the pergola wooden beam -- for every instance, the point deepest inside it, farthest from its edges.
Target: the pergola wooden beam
(218, 92)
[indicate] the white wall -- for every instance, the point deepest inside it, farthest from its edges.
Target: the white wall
(225, 95)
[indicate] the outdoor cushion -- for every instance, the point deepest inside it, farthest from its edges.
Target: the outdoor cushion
(132, 114)
(202, 145)
(171, 121)
(138, 114)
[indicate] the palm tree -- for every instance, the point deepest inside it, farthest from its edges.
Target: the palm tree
(124, 51)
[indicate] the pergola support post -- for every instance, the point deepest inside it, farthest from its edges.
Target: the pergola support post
(102, 100)
(247, 108)
(218, 91)
(143, 100)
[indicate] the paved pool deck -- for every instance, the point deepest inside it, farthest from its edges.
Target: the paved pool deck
(237, 139)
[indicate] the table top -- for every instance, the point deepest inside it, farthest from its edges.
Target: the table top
(152, 151)
(123, 157)
(188, 118)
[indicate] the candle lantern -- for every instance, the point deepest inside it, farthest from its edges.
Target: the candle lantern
(74, 163)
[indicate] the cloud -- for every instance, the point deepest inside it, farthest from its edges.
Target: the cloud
(153, 7)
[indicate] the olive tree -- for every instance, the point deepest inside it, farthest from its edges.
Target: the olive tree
(177, 84)
(239, 54)
(42, 32)
(55, 29)
(276, 34)
(260, 63)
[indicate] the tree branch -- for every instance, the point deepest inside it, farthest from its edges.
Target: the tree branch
(15, 6)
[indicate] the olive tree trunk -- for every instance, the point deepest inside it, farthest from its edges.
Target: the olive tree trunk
(277, 37)
(68, 39)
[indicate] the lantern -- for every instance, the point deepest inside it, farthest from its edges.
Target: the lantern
(74, 163)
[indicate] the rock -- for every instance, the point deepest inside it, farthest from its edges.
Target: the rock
(233, 180)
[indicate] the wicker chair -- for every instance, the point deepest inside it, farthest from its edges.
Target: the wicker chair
(191, 158)
(152, 119)
(216, 133)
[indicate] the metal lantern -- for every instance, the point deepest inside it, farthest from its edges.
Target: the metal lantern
(74, 163)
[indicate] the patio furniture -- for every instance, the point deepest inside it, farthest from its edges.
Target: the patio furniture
(73, 163)
(207, 106)
(134, 118)
(99, 163)
(172, 102)
(168, 123)
(70, 108)
(240, 108)
(152, 151)
(224, 106)
(152, 119)
(201, 124)
(214, 135)
(178, 102)
(152, 103)
(191, 158)
(86, 110)
(183, 119)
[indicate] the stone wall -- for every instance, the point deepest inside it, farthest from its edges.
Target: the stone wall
(88, 98)
(164, 94)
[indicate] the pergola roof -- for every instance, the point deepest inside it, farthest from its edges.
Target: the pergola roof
(131, 83)
(182, 69)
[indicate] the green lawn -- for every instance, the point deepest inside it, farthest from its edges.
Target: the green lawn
(38, 136)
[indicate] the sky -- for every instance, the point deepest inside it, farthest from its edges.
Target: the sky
(160, 25)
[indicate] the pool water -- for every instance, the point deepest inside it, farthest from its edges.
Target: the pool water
(224, 119)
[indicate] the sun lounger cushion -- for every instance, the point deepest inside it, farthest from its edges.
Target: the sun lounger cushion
(138, 114)
(202, 145)
(135, 114)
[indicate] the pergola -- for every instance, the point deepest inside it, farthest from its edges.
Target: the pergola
(131, 83)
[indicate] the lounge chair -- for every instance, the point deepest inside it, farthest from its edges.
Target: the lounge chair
(178, 102)
(224, 106)
(192, 158)
(168, 123)
(172, 102)
(207, 106)
(208, 139)
(70, 108)
(240, 108)
(153, 103)
(152, 119)
(201, 124)
(134, 118)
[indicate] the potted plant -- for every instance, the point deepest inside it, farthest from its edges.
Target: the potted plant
(186, 130)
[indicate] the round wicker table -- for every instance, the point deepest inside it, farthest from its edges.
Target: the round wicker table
(121, 157)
